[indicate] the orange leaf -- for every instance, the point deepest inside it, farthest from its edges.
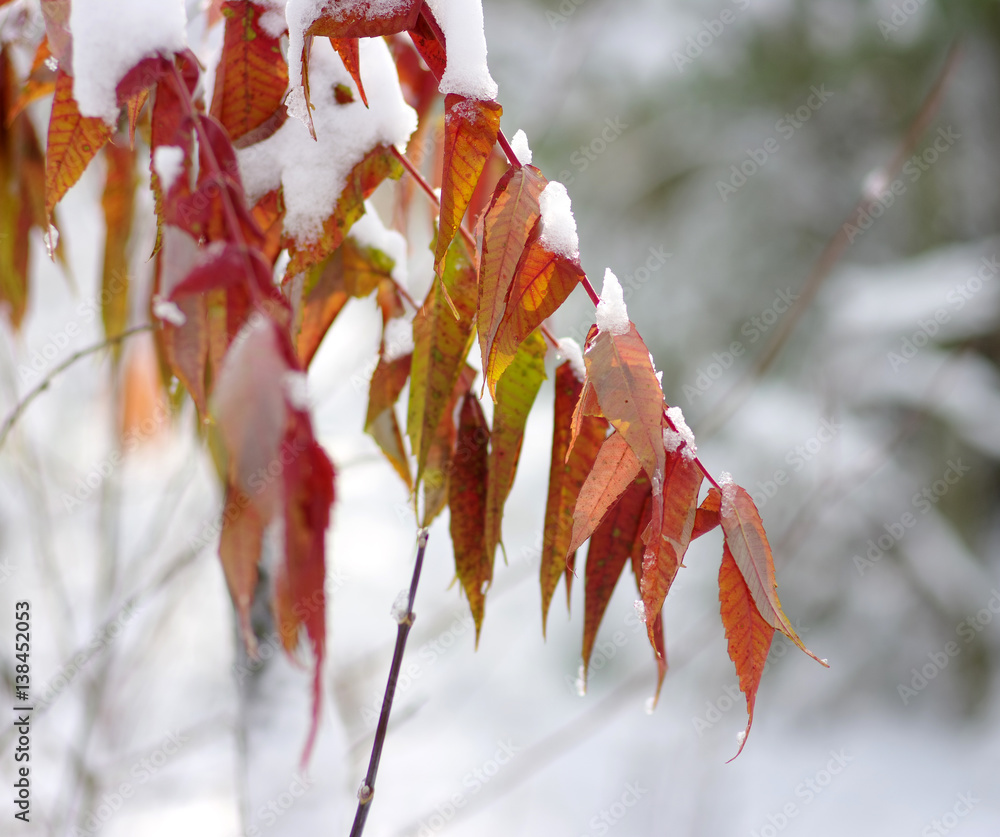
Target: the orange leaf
(239, 551)
(567, 472)
(350, 54)
(621, 372)
(73, 142)
(542, 282)
(470, 132)
(747, 633)
(435, 481)
(707, 516)
(252, 76)
(674, 505)
(467, 501)
(40, 82)
(611, 546)
(367, 19)
(515, 394)
(381, 424)
(118, 202)
(614, 471)
(504, 232)
(747, 541)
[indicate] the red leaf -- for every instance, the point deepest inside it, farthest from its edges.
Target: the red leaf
(470, 132)
(747, 541)
(435, 479)
(707, 516)
(347, 49)
(239, 551)
(365, 19)
(747, 633)
(614, 471)
(567, 472)
(467, 501)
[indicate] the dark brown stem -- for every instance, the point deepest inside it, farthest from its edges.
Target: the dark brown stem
(367, 790)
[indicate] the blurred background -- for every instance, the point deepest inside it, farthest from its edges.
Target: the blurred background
(729, 162)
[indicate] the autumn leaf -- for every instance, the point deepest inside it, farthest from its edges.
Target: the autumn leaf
(614, 470)
(748, 634)
(381, 424)
(707, 516)
(367, 19)
(239, 551)
(747, 541)
(350, 53)
(467, 502)
(73, 141)
(470, 132)
(621, 372)
(118, 202)
(41, 81)
(516, 393)
(613, 543)
(542, 282)
(436, 477)
(251, 77)
(567, 472)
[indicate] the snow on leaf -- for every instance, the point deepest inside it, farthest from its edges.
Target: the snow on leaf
(628, 392)
(516, 393)
(612, 317)
(519, 145)
(467, 498)
(542, 282)
(364, 18)
(567, 472)
(381, 424)
(73, 141)
(611, 547)
(441, 343)
(614, 470)
(746, 540)
(466, 73)
(557, 230)
(470, 132)
(251, 77)
(748, 634)
(505, 227)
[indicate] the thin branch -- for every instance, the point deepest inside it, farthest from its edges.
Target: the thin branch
(62, 367)
(367, 790)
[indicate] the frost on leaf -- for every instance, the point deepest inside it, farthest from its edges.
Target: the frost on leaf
(612, 317)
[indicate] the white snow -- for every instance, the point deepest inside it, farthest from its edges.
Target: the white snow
(398, 339)
(570, 350)
(110, 37)
(466, 72)
(581, 681)
(297, 389)
(272, 19)
(313, 172)
(681, 433)
(401, 606)
(612, 315)
(640, 609)
(369, 231)
(168, 161)
(728, 492)
(558, 230)
(519, 145)
(168, 311)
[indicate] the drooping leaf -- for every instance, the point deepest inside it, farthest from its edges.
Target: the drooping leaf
(504, 231)
(441, 343)
(707, 516)
(748, 634)
(378, 164)
(118, 202)
(367, 19)
(381, 424)
(674, 504)
(467, 501)
(567, 472)
(41, 81)
(252, 76)
(516, 393)
(424, 38)
(350, 53)
(614, 471)
(625, 384)
(239, 551)
(542, 282)
(73, 141)
(611, 547)
(470, 132)
(747, 541)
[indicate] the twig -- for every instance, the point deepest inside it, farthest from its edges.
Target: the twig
(367, 790)
(62, 367)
